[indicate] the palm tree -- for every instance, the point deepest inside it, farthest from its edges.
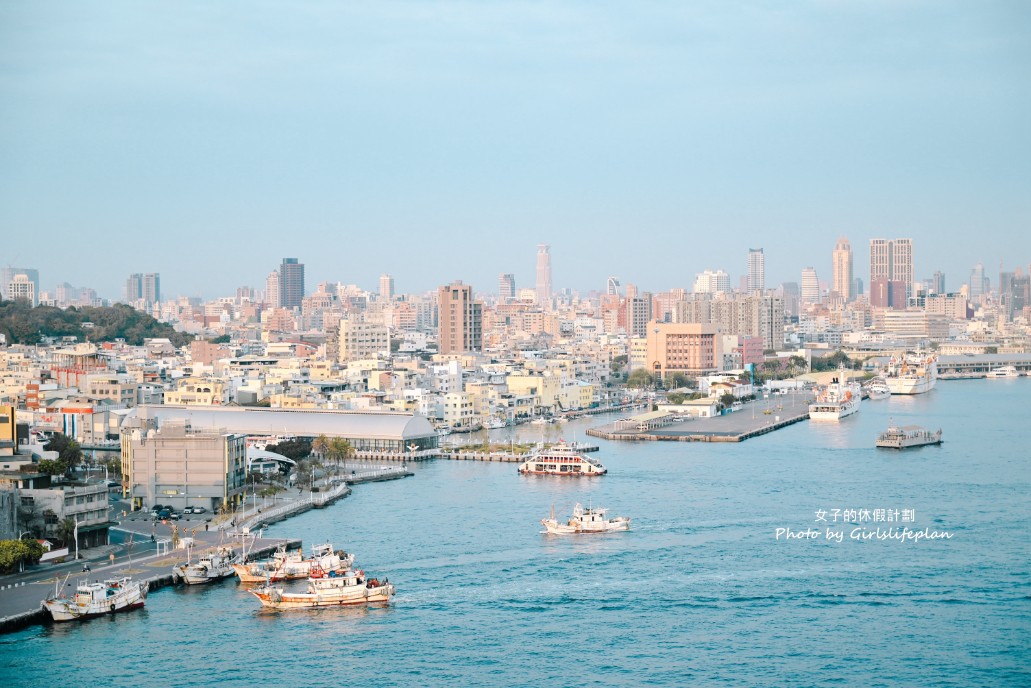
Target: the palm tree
(66, 532)
(339, 450)
(320, 445)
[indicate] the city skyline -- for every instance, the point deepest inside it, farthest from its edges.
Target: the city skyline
(444, 142)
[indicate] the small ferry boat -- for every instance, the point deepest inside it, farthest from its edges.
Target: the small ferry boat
(97, 599)
(211, 567)
(912, 374)
(907, 436)
(292, 565)
(877, 389)
(327, 589)
(1002, 373)
(837, 400)
(560, 459)
(585, 521)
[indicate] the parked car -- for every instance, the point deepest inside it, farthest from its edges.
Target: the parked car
(199, 510)
(174, 516)
(188, 510)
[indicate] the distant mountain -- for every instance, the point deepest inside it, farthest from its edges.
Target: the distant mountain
(26, 325)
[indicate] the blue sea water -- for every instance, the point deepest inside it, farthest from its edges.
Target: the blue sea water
(699, 592)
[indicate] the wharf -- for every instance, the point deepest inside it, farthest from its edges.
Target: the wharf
(755, 419)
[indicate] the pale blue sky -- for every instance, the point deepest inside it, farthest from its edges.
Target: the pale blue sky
(441, 141)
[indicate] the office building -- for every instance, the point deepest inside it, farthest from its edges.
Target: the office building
(7, 276)
(978, 284)
(810, 287)
(22, 288)
(891, 261)
(386, 287)
(938, 282)
(506, 287)
(710, 282)
(272, 291)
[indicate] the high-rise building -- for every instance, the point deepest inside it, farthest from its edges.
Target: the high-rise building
(938, 282)
(791, 297)
(151, 288)
(460, 319)
(710, 282)
(273, 295)
(756, 270)
(892, 260)
(22, 288)
(978, 283)
(841, 262)
(134, 288)
(612, 286)
(543, 275)
(386, 287)
(7, 275)
(291, 283)
(810, 288)
(506, 287)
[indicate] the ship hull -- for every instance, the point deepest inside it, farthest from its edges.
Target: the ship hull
(276, 599)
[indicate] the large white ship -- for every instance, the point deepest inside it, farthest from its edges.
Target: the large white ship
(912, 373)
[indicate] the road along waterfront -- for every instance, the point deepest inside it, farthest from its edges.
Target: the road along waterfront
(699, 591)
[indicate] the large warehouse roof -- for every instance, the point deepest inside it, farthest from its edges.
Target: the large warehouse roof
(306, 423)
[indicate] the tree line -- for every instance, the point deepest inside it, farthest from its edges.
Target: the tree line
(24, 324)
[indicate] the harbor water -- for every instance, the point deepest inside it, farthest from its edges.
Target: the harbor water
(731, 574)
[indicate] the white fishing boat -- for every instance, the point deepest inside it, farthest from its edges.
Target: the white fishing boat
(97, 599)
(912, 374)
(589, 520)
(560, 459)
(292, 565)
(1002, 372)
(327, 590)
(210, 567)
(906, 436)
(840, 399)
(496, 423)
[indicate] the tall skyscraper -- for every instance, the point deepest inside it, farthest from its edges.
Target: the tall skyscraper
(891, 260)
(612, 286)
(134, 287)
(810, 288)
(8, 274)
(21, 287)
(978, 283)
(756, 270)
(938, 282)
(460, 319)
(291, 283)
(506, 287)
(841, 262)
(273, 295)
(386, 286)
(544, 275)
(152, 288)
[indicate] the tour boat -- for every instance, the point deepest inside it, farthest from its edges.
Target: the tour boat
(585, 521)
(912, 374)
(907, 436)
(292, 565)
(837, 400)
(1002, 372)
(327, 589)
(560, 459)
(97, 599)
(211, 567)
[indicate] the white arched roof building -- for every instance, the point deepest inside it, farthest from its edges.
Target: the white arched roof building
(365, 430)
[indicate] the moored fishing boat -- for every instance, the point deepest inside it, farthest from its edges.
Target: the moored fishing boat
(589, 520)
(327, 589)
(97, 599)
(292, 565)
(211, 567)
(561, 459)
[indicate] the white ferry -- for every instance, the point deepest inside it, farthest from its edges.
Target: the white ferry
(585, 521)
(327, 590)
(97, 599)
(912, 373)
(907, 436)
(560, 459)
(1002, 372)
(837, 400)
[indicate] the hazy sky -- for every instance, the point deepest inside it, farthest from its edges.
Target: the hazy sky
(444, 140)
